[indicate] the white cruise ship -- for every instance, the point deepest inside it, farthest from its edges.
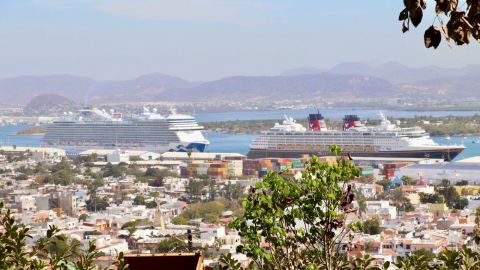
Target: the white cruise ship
(292, 140)
(150, 131)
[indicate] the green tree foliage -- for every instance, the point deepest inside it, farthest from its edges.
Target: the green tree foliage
(385, 183)
(21, 176)
(462, 183)
(303, 220)
(96, 204)
(85, 160)
(151, 204)
(195, 189)
(113, 170)
(406, 206)
(41, 168)
(451, 197)
(430, 198)
(153, 172)
(233, 191)
(407, 180)
(53, 251)
(136, 223)
(61, 174)
(25, 170)
(139, 200)
(83, 217)
(62, 165)
(445, 260)
(173, 244)
(371, 226)
(180, 220)
(209, 212)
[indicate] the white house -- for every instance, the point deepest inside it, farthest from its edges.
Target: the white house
(381, 209)
(209, 231)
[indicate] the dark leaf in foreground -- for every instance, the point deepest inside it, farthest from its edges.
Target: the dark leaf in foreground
(403, 15)
(416, 16)
(432, 37)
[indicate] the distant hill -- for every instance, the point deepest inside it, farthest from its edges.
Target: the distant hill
(26, 87)
(345, 81)
(465, 86)
(302, 71)
(83, 89)
(48, 103)
(391, 71)
(304, 87)
(143, 88)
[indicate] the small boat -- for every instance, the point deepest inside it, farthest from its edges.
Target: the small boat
(448, 138)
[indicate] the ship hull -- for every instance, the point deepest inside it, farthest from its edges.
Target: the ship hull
(73, 150)
(445, 154)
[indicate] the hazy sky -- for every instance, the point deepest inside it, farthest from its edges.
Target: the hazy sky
(208, 39)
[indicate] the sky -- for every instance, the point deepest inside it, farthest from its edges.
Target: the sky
(209, 39)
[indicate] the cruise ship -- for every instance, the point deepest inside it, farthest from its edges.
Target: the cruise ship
(292, 140)
(93, 128)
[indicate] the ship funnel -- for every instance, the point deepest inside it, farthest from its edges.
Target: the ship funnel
(316, 122)
(350, 121)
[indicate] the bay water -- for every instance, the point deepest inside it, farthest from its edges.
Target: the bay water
(239, 143)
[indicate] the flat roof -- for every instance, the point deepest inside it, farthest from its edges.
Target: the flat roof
(31, 149)
(475, 159)
(391, 159)
(111, 151)
(445, 166)
(198, 155)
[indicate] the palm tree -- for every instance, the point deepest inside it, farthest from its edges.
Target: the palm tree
(131, 232)
(412, 262)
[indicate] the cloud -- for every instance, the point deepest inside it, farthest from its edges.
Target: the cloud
(241, 12)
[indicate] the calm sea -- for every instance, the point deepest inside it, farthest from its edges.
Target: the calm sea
(239, 143)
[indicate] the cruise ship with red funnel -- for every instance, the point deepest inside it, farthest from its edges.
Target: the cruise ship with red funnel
(292, 140)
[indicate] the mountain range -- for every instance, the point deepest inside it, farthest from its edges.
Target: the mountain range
(343, 81)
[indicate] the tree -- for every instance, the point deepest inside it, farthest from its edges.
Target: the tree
(156, 182)
(452, 198)
(63, 177)
(21, 176)
(233, 191)
(139, 200)
(463, 21)
(209, 212)
(371, 226)
(180, 220)
(172, 244)
(49, 252)
(83, 217)
(96, 204)
(195, 189)
(113, 170)
(62, 165)
(430, 198)
(62, 246)
(385, 183)
(462, 183)
(406, 206)
(151, 204)
(153, 172)
(407, 180)
(40, 168)
(302, 220)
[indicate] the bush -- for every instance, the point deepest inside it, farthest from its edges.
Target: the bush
(371, 226)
